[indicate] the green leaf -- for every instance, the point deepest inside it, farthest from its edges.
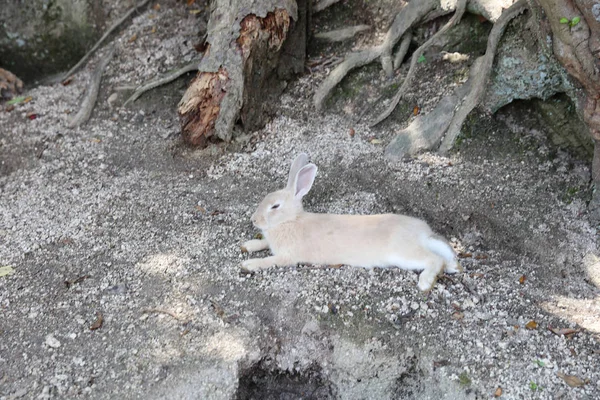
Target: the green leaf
(564, 20)
(421, 59)
(8, 270)
(16, 100)
(540, 363)
(575, 21)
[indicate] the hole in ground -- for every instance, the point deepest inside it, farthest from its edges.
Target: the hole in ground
(262, 383)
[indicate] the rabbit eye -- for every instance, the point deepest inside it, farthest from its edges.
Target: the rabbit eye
(274, 206)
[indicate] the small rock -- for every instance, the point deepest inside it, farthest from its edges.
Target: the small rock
(51, 341)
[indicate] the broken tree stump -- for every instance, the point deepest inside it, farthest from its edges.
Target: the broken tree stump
(251, 47)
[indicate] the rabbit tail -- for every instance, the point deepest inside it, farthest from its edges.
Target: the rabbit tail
(440, 247)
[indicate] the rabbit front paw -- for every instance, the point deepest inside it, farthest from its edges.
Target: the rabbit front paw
(254, 245)
(426, 281)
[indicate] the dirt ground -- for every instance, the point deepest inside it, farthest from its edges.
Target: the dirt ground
(125, 250)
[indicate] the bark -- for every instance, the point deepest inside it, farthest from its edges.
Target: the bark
(577, 48)
(251, 46)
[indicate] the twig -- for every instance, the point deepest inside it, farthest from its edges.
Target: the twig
(166, 312)
(102, 39)
(170, 77)
(92, 93)
(460, 10)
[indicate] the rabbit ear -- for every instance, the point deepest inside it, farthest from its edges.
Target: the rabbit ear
(304, 180)
(300, 161)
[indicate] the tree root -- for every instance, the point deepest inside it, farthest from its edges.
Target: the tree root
(170, 77)
(409, 16)
(339, 35)
(447, 118)
(110, 30)
(482, 75)
(460, 10)
(92, 93)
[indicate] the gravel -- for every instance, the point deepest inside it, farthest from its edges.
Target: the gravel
(118, 220)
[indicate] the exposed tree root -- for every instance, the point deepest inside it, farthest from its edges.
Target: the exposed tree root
(339, 35)
(92, 93)
(447, 118)
(170, 77)
(409, 16)
(323, 4)
(110, 30)
(460, 10)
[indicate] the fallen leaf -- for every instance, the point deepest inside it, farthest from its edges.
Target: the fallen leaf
(10, 108)
(531, 325)
(217, 212)
(573, 352)
(151, 16)
(441, 363)
(375, 141)
(522, 279)
(16, 100)
(218, 309)
(32, 116)
(477, 275)
(201, 209)
(156, 7)
(67, 81)
(258, 236)
(352, 132)
(481, 257)
(416, 110)
(133, 38)
(194, 12)
(465, 255)
(96, 140)
(70, 283)
(458, 315)
(98, 322)
(568, 332)
(27, 99)
(498, 392)
(153, 29)
(571, 380)
(336, 266)
(190, 2)
(6, 270)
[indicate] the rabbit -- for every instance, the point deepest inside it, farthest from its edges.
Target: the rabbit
(387, 240)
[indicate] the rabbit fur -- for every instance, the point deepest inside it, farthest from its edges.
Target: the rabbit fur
(388, 240)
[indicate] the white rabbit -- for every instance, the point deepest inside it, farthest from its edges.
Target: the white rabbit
(388, 240)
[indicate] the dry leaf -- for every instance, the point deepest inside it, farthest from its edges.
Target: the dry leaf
(153, 29)
(95, 140)
(156, 7)
(568, 332)
(32, 116)
(67, 81)
(465, 255)
(352, 132)
(133, 38)
(571, 380)
(194, 12)
(375, 141)
(416, 110)
(27, 99)
(481, 257)
(522, 279)
(98, 323)
(258, 236)
(336, 266)
(498, 392)
(7, 270)
(531, 325)
(151, 16)
(190, 2)
(458, 315)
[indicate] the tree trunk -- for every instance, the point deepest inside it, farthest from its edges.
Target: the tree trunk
(576, 45)
(251, 47)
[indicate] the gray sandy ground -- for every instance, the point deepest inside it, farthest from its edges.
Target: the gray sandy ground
(119, 219)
